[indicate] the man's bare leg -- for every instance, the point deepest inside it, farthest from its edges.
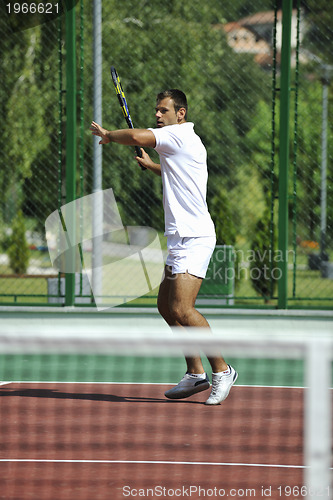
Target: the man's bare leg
(176, 303)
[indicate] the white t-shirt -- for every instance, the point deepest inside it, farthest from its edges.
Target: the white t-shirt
(183, 160)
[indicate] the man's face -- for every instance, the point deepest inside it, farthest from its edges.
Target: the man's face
(165, 113)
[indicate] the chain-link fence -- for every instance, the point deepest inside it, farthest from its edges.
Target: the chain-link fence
(226, 57)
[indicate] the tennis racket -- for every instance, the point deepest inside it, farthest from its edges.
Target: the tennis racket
(123, 104)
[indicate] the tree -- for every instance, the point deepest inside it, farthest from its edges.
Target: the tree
(26, 106)
(262, 273)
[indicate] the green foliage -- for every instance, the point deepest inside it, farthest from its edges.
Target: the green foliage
(309, 158)
(260, 145)
(27, 101)
(18, 251)
(223, 218)
(26, 136)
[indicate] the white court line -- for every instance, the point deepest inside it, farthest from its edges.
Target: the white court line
(149, 462)
(139, 383)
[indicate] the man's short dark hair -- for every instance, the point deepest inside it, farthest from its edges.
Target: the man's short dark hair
(178, 97)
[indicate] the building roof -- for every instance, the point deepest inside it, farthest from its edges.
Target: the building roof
(266, 17)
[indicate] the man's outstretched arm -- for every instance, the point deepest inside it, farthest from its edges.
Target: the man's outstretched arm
(127, 137)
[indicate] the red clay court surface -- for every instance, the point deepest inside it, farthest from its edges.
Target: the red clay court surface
(72, 441)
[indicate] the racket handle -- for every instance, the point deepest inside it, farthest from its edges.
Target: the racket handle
(138, 153)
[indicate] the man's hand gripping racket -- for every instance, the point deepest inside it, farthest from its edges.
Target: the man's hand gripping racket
(123, 104)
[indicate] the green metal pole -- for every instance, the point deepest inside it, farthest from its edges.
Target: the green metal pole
(284, 154)
(70, 145)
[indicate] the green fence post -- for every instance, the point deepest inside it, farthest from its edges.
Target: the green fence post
(284, 154)
(70, 143)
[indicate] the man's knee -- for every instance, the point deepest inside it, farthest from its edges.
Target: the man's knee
(172, 313)
(180, 312)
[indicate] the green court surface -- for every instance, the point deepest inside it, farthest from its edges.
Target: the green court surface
(55, 368)
(159, 368)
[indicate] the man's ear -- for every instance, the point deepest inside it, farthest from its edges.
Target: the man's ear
(181, 113)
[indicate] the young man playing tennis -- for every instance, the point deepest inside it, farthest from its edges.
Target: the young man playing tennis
(188, 226)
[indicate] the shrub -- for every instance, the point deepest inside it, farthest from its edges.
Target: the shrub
(18, 251)
(225, 228)
(262, 274)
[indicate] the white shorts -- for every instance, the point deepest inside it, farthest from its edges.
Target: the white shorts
(190, 254)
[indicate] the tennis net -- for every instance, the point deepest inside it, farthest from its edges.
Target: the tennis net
(83, 415)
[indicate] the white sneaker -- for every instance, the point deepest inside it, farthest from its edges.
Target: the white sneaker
(189, 385)
(221, 385)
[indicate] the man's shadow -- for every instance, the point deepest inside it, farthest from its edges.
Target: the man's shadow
(112, 398)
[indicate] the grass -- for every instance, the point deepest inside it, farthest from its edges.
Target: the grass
(311, 290)
(30, 290)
